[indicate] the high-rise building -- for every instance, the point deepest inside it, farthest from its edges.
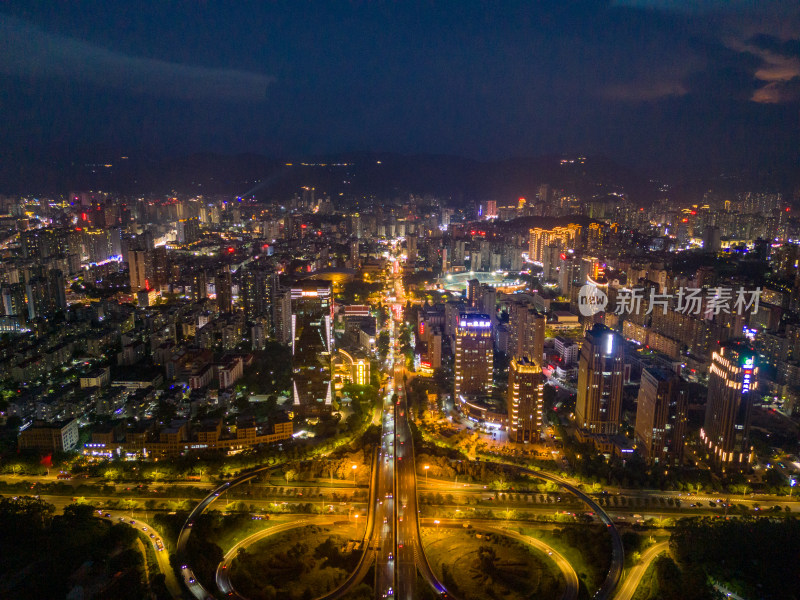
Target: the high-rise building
(487, 301)
(256, 292)
(473, 292)
(188, 231)
(161, 267)
(600, 380)
(282, 314)
(661, 416)
(14, 303)
(411, 249)
(140, 268)
(355, 225)
(312, 346)
(732, 379)
(561, 237)
(525, 391)
(526, 331)
(474, 355)
(44, 243)
(224, 289)
(199, 286)
(45, 294)
(57, 286)
(711, 239)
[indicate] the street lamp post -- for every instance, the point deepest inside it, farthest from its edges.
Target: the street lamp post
(426, 473)
(354, 474)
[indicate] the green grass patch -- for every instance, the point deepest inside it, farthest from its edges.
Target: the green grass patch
(488, 566)
(303, 563)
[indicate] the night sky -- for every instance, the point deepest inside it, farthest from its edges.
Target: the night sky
(643, 82)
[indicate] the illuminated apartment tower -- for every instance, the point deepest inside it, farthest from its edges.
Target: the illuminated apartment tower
(600, 380)
(525, 386)
(661, 416)
(562, 237)
(474, 355)
(732, 379)
(140, 267)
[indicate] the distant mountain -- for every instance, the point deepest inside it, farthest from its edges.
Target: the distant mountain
(458, 180)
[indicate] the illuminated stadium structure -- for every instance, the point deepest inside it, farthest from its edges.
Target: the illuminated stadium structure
(503, 281)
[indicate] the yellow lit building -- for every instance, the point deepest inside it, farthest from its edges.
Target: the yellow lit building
(525, 390)
(539, 238)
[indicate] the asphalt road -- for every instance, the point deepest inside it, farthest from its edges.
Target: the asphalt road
(631, 582)
(413, 553)
(409, 548)
(162, 555)
(385, 576)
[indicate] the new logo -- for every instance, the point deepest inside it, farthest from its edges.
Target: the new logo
(591, 300)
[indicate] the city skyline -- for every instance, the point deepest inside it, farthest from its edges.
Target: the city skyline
(400, 301)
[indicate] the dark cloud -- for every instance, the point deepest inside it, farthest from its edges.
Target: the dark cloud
(26, 51)
(778, 70)
(639, 80)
